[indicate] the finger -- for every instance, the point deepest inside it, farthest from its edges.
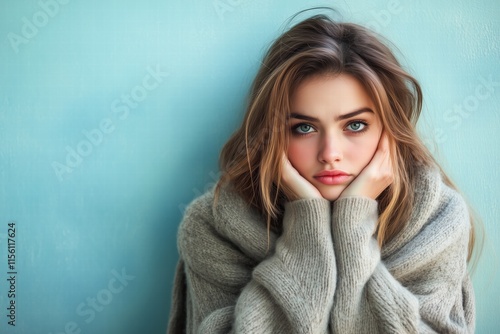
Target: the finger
(383, 144)
(386, 165)
(285, 164)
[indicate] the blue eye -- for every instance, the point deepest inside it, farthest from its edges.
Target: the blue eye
(303, 128)
(356, 126)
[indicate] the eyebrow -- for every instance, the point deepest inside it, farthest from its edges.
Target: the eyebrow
(338, 118)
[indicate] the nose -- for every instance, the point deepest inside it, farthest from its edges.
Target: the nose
(330, 150)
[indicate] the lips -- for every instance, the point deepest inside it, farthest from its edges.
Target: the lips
(332, 177)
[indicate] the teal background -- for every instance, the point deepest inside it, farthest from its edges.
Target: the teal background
(118, 209)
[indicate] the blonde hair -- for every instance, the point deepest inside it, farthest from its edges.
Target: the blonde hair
(250, 160)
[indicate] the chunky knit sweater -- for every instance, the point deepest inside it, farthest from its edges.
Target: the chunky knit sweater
(325, 272)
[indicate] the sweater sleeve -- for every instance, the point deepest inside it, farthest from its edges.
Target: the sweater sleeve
(290, 291)
(419, 289)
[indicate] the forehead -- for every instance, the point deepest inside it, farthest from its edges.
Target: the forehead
(336, 94)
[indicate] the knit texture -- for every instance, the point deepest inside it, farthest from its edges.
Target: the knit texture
(325, 272)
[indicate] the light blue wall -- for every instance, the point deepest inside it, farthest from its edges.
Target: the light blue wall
(147, 93)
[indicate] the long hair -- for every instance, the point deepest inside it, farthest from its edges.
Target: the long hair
(250, 160)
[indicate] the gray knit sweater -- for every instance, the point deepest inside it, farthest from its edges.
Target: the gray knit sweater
(325, 273)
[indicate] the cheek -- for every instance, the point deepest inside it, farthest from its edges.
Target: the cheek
(299, 154)
(364, 150)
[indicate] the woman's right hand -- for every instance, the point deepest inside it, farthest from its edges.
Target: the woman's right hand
(296, 186)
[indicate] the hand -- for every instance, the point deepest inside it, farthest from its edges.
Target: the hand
(295, 185)
(376, 176)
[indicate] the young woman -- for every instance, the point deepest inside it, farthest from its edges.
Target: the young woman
(331, 216)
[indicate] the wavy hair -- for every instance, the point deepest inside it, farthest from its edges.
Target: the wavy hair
(250, 160)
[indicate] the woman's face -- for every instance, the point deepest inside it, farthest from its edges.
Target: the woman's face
(334, 132)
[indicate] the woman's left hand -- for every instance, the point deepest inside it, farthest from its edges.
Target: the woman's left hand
(376, 176)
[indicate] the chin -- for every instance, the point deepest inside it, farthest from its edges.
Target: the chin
(331, 194)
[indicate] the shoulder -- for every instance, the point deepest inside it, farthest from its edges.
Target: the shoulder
(196, 225)
(437, 203)
(221, 225)
(440, 214)
(208, 250)
(221, 211)
(437, 234)
(199, 209)
(447, 206)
